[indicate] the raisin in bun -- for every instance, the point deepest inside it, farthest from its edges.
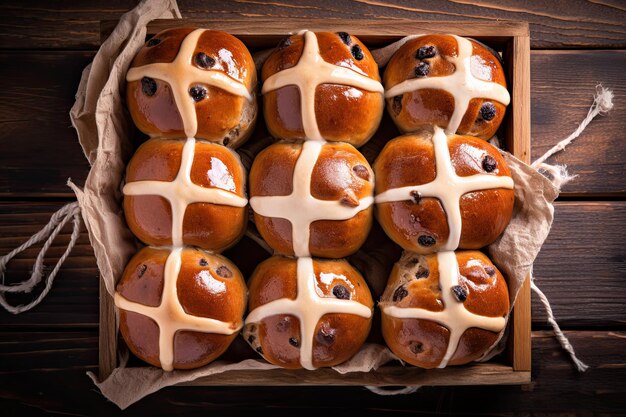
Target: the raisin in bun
(452, 82)
(185, 193)
(199, 83)
(307, 313)
(443, 309)
(322, 86)
(312, 198)
(180, 309)
(439, 192)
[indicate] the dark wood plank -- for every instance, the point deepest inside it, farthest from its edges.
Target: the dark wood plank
(563, 84)
(581, 267)
(583, 259)
(39, 148)
(73, 300)
(573, 24)
(34, 106)
(39, 361)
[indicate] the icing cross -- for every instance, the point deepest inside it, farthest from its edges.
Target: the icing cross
(182, 191)
(310, 72)
(461, 84)
(170, 315)
(181, 74)
(309, 307)
(300, 207)
(455, 316)
(447, 187)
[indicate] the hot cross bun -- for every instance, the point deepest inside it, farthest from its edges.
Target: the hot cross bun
(437, 192)
(322, 86)
(307, 313)
(189, 192)
(312, 198)
(180, 309)
(187, 82)
(448, 81)
(443, 309)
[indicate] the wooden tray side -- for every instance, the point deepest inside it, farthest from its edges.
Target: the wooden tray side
(511, 37)
(518, 142)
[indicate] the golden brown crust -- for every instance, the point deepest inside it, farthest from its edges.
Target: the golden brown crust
(422, 108)
(423, 342)
(274, 279)
(341, 173)
(209, 226)
(408, 161)
(142, 282)
(222, 117)
(343, 113)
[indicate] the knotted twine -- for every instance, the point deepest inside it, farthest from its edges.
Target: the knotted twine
(49, 232)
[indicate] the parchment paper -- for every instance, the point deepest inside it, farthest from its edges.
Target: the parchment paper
(105, 131)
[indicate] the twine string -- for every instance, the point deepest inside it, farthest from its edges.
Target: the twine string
(558, 175)
(387, 391)
(602, 104)
(49, 232)
(560, 336)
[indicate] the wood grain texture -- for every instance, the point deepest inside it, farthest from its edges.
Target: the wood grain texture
(72, 301)
(518, 142)
(573, 269)
(563, 86)
(559, 102)
(581, 267)
(261, 32)
(47, 375)
(39, 149)
(562, 24)
(491, 373)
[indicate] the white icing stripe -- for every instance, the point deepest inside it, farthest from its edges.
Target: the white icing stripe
(182, 191)
(181, 74)
(447, 187)
(309, 308)
(170, 315)
(461, 84)
(300, 207)
(310, 72)
(454, 316)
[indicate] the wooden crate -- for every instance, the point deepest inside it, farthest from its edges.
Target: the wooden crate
(510, 38)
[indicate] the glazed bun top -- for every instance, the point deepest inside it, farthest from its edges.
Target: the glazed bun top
(186, 176)
(453, 82)
(182, 290)
(466, 178)
(462, 293)
(324, 191)
(329, 298)
(188, 82)
(322, 86)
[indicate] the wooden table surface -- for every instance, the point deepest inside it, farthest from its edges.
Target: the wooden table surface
(45, 353)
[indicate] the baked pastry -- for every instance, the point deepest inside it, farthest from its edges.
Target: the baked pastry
(307, 313)
(193, 83)
(185, 193)
(322, 86)
(313, 198)
(180, 309)
(437, 192)
(448, 81)
(443, 309)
